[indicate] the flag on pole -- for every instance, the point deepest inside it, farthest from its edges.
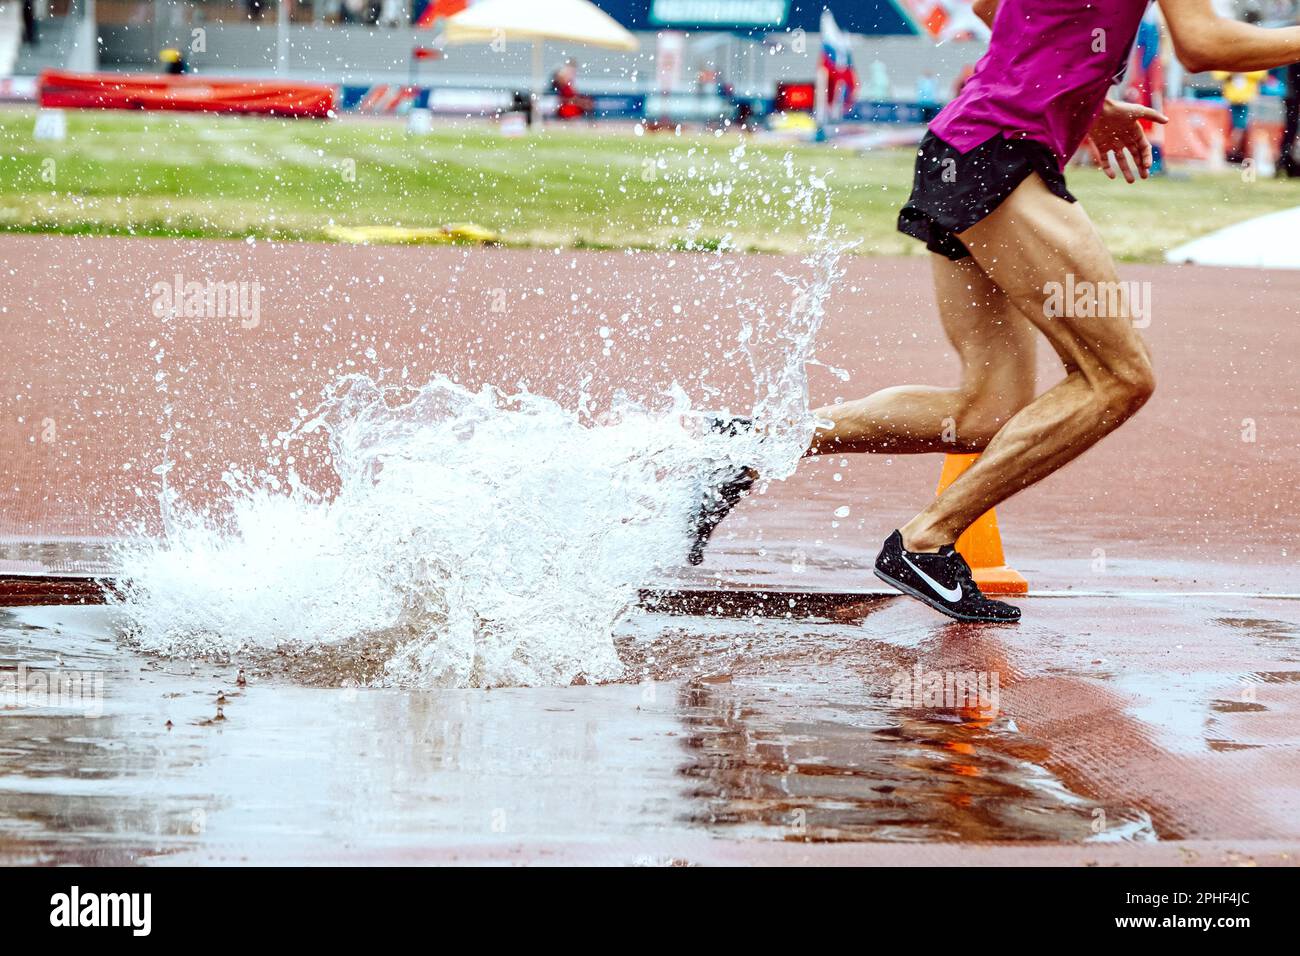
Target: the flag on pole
(837, 61)
(439, 10)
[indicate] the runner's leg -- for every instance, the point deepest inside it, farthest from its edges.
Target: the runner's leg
(996, 347)
(1031, 239)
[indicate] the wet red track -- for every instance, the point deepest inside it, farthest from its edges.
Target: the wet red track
(1175, 499)
(1196, 495)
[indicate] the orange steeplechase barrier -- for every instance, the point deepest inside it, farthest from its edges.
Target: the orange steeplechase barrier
(981, 544)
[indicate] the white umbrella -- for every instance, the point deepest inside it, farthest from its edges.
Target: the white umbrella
(536, 21)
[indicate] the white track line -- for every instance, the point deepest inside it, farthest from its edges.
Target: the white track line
(1136, 595)
(1250, 596)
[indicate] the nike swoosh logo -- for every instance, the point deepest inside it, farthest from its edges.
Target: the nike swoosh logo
(949, 594)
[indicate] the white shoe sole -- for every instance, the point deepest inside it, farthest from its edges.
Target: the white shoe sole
(940, 606)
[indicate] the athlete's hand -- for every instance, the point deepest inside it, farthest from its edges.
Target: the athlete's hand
(1118, 132)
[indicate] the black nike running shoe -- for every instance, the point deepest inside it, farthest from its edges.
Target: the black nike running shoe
(942, 580)
(723, 495)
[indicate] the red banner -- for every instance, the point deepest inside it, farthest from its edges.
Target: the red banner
(113, 91)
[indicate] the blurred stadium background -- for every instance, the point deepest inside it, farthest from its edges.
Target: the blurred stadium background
(84, 78)
(695, 59)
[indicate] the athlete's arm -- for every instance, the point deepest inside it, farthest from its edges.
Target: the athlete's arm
(985, 10)
(1203, 40)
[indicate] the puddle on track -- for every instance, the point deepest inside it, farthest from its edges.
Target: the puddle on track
(727, 728)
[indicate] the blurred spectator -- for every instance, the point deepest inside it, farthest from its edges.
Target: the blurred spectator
(876, 89)
(966, 73)
(711, 81)
(564, 83)
(1146, 80)
(1287, 164)
(521, 102)
(1240, 90)
(29, 23)
(927, 96)
(172, 61)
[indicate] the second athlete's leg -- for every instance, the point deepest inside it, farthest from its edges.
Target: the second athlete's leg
(996, 346)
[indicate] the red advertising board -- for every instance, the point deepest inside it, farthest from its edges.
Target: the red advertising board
(113, 91)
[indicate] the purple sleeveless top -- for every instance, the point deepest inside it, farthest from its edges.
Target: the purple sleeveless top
(1045, 75)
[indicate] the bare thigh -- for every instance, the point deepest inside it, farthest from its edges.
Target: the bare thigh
(1035, 238)
(1031, 246)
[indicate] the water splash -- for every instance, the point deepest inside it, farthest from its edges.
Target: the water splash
(471, 538)
(779, 347)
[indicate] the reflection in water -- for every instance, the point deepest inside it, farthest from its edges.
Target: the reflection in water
(797, 732)
(774, 763)
(58, 555)
(743, 728)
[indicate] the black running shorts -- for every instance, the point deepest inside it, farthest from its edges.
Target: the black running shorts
(951, 191)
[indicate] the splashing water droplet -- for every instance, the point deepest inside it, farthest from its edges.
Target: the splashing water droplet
(473, 538)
